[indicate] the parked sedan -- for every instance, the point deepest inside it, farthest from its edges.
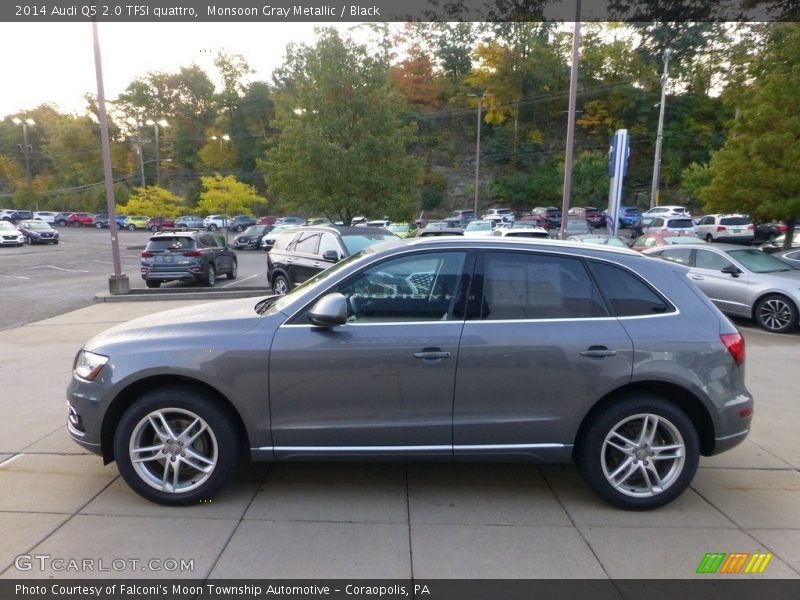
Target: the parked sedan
(251, 237)
(187, 256)
(744, 282)
(10, 235)
(479, 228)
(442, 349)
(38, 232)
(241, 222)
(655, 240)
(578, 226)
(791, 256)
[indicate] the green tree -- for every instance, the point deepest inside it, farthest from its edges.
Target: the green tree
(153, 201)
(756, 171)
(343, 146)
(226, 195)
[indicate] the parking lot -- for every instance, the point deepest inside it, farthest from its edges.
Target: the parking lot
(42, 281)
(349, 520)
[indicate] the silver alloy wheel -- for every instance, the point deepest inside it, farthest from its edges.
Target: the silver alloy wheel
(280, 286)
(775, 314)
(173, 450)
(643, 455)
(211, 276)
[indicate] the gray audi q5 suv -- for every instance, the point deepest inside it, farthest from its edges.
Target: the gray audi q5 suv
(430, 349)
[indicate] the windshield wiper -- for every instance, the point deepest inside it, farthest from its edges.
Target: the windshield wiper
(262, 305)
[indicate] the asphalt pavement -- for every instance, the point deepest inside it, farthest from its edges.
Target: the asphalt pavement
(350, 520)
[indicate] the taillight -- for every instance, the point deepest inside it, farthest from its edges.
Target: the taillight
(750, 227)
(734, 342)
(147, 254)
(193, 253)
(721, 228)
(782, 227)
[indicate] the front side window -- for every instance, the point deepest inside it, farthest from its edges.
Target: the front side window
(705, 259)
(423, 287)
(525, 285)
(327, 243)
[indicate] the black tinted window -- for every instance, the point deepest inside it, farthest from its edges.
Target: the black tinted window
(734, 221)
(679, 223)
(535, 286)
(171, 243)
(626, 293)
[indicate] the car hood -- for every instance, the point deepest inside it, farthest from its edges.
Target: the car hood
(226, 318)
(788, 280)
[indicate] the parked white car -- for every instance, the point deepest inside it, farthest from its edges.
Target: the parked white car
(45, 215)
(10, 235)
(499, 215)
(672, 225)
(214, 222)
(480, 228)
(666, 211)
(726, 228)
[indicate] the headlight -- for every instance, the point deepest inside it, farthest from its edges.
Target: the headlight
(88, 365)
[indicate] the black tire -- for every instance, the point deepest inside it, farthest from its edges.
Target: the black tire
(281, 285)
(776, 314)
(98, 225)
(239, 229)
(211, 275)
(154, 229)
(234, 272)
(55, 241)
(131, 227)
(152, 284)
(636, 468)
(212, 227)
(218, 449)
(61, 223)
(709, 238)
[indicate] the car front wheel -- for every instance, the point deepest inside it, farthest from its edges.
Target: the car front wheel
(776, 313)
(176, 446)
(709, 238)
(98, 225)
(212, 227)
(639, 453)
(152, 284)
(131, 227)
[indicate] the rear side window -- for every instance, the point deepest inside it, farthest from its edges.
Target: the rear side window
(307, 243)
(627, 295)
(522, 286)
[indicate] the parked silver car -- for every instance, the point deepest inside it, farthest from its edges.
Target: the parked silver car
(444, 348)
(744, 282)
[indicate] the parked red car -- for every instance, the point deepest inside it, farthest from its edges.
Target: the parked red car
(266, 220)
(80, 219)
(158, 223)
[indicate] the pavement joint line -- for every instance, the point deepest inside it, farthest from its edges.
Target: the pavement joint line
(241, 520)
(577, 529)
(773, 455)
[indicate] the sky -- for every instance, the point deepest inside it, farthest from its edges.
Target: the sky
(54, 62)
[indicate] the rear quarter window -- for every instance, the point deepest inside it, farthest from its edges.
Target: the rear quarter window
(627, 294)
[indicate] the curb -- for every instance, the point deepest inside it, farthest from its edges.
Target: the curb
(148, 295)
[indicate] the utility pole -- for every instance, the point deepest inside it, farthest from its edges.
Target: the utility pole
(660, 134)
(477, 152)
(26, 149)
(573, 91)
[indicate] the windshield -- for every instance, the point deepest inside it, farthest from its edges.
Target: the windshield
(38, 225)
(573, 224)
(758, 261)
(4, 225)
(257, 229)
(400, 228)
(356, 243)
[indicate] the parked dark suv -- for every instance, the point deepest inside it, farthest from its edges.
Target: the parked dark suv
(300, 253)
(187, 256)
(550, 215)
(442, 349)
(241, 222)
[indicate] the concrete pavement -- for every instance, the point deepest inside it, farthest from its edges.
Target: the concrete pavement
(376, 520)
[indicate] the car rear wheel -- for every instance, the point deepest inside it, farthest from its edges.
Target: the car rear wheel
(280, 285)
(61, 223)
(176, 446)
(212, 227)
(639, 453)
(154, 228)
(234, 270)
(776, 313)
(211, 275)
(131, 227)
(98, 225)
(239, 228)
(152, 284)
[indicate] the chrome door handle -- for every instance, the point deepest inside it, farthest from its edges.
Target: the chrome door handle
(431, 354)
(697, 277)
(598, 352)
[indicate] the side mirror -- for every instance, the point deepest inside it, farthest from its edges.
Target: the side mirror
(330, 256)
(329, 310)
(731, 270)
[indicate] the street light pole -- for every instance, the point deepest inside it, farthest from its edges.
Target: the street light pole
(163, 123)
(480, 98)
(25, 151)
(222, 138)
(660, 134)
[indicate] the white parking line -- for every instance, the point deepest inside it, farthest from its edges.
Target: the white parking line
(10, 460)
(239, 281)
(15, 277)
(56, 268)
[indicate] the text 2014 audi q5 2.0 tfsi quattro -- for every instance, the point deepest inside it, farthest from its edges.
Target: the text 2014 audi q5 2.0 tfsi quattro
(459, 349)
